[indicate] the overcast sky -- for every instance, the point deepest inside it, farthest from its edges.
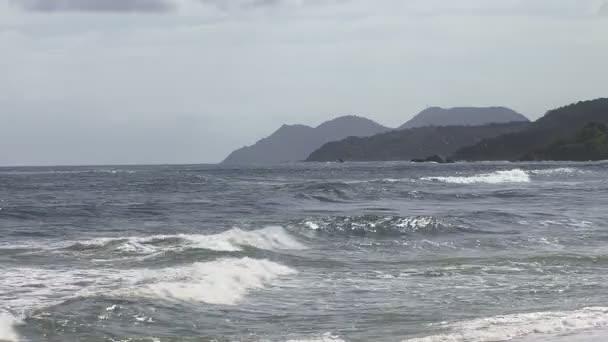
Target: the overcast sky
(187, 81)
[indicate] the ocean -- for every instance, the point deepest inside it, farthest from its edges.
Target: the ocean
(466, 252)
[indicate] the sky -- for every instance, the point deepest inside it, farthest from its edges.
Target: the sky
(188, 81)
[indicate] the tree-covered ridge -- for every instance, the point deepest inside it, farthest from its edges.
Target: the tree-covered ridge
(412, 143)
(557, 125)
(590, 143)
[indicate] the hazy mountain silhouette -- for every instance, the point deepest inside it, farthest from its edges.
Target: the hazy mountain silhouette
(463, 116)
(546, 137)
(295, 142)
(412, 143)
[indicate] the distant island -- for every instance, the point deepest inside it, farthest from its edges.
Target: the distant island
(295, 142)
(576, 132)
(292, 143)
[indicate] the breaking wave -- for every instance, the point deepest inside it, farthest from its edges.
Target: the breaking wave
(516, 326)
(326, 337)
(224, 282)
(498, 177)
(270, 238)
(7, 328)
(381, 225)
(561, 170)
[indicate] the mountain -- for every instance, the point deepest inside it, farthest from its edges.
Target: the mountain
(463, 116)
(412, 143)
(295, 142)
(562, 124)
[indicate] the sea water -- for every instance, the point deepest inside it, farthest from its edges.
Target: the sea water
(305, 252)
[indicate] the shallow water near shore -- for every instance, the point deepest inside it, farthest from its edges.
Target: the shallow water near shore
(305, 252)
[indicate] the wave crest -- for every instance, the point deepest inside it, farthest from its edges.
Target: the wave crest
(381, 225)
(224, 282)
(7, 328)
(498, 177)
(270, 238)
(560, 170)
(326, 337)
(329, 192)
(515, 326)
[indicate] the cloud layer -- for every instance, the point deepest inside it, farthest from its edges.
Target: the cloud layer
(152, 5)
(82, 83)
(468, 7)
(96, 5)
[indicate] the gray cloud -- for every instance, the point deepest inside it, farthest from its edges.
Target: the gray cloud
(604, 8)
(252, 4)
(189, 88)
(150, 5)
(96, 5)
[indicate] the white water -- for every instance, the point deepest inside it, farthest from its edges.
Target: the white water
(312, 225)
(7, 328)
(561, 170)
(218, 282)
(326, 337)
(270, 238)
(525, 325)
(410, 223)
(225, 281)
(498, 177)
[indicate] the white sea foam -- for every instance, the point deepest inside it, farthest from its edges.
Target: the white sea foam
(224, 281)
(567, 222)
(7, 328)
(561, 170)
(326, 337)
(219, 282)
(380, 224)
(517, 326)
(418, 222)
(498, 177)
(270, 238)
(312, 225)
(390, 180)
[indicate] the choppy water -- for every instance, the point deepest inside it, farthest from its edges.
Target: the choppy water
(307, 252)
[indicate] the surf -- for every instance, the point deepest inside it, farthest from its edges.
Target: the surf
(521, 325)
(233, 240)
(497, 177)
(222, 282)
(7, 328)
